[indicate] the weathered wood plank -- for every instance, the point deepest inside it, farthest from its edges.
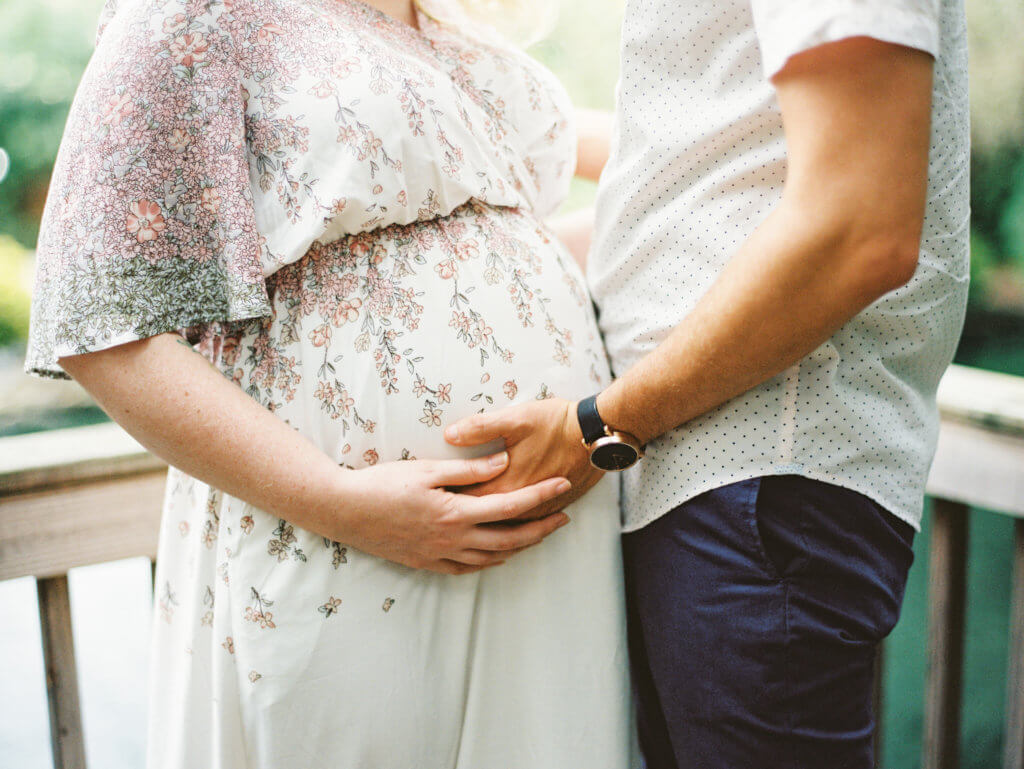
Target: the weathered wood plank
(984, 398)
(43, 460)
(66, 737)
(946, 603)
(979, 467)
(1014, 745)
(46, 533)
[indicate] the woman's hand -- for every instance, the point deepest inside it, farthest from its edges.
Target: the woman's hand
(183, 410)
(543, 440)
(402, 511)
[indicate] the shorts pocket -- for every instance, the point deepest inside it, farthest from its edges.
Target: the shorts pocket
(777, 521)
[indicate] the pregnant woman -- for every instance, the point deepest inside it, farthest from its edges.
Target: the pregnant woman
(341, 207)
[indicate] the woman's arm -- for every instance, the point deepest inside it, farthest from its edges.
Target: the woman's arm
(575, 230)
(183, 410)
(593, 142)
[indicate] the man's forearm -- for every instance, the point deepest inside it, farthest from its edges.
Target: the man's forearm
(846, 231)
(787, 290)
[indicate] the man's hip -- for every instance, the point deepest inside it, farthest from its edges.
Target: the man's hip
(755, 612)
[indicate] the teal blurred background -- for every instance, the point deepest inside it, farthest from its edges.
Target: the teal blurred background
(46, 45)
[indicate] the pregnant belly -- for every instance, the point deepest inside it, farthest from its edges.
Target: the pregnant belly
(380, 340)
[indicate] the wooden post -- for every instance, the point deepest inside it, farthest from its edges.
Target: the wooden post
(878, 701)
(946, 599)
(66, 740)
(1014, 748)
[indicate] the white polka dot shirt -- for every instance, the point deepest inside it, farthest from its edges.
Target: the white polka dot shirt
(698, 162)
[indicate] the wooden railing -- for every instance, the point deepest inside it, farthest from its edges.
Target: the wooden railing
(89, 495)
(73, 498)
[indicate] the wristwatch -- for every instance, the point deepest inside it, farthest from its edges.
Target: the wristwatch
(610, 450)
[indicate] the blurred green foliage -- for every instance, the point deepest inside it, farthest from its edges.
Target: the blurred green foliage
(14, 296)
(46, 45)
(997, 198)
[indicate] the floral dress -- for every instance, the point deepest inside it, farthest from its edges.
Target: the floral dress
(344, 213)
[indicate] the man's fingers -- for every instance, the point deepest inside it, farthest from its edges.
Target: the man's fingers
(477, 429)
(511, 504)
(465, 472)
(501, 539)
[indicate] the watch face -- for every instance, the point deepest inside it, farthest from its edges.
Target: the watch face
(613, 455)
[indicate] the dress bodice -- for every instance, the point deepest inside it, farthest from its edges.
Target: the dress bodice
(356, 121)
(212, 142)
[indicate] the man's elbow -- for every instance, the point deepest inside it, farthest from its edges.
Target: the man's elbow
(887, 259)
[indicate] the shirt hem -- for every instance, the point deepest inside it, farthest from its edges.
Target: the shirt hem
(909, 515)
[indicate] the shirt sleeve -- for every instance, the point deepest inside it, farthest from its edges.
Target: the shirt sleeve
(788, 27)
(149, 223)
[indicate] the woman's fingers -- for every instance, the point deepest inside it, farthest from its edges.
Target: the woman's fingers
(448, 566)
(465, 472)
(471, 561)
(489, 557)
(479, 428)
(501, 539)
(482, 558)
(506, 506)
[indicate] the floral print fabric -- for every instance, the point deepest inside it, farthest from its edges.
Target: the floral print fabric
(374, 343)
(345, 212)
(211, 143)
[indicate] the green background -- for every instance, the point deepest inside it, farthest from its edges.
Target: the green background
(46, 45)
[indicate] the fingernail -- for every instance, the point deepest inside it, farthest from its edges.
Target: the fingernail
(451, 433)
(563, 486)
(497, 460)
(565, 520)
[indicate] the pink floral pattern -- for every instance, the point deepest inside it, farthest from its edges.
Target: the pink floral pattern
(212, 143)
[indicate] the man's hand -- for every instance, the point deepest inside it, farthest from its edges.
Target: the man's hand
(543, 441)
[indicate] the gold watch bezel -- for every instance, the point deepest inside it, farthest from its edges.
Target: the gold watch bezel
(614, 437)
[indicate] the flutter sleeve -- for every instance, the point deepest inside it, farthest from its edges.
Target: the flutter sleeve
(149, 224)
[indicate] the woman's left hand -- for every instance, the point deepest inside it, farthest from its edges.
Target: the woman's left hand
(543, 441)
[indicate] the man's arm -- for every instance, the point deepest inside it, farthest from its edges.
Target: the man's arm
(846, 232)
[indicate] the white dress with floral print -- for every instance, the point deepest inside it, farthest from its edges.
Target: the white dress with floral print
(345, 213)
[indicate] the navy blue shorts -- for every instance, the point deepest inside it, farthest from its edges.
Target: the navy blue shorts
(755, 611)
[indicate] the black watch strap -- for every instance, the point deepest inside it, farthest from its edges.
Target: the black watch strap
(591, 424)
